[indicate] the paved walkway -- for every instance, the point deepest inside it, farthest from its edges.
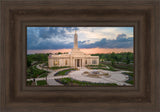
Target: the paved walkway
(50, 77)
(115, 76)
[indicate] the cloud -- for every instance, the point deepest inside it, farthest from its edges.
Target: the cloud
(89, 37)
(120, 42)
(49, 37)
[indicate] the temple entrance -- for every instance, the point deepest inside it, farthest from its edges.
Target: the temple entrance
(78, 62)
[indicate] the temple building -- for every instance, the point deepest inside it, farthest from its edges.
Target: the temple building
(75, 58)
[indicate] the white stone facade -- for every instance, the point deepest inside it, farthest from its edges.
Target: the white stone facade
(75, 58)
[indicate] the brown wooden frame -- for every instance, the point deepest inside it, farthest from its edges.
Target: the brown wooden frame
(15, 96)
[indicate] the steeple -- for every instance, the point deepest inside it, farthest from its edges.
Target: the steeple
(75, 40)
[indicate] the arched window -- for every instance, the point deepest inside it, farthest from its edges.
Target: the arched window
(94, 61)
(66, 62)
(86, 62)
(56, 62)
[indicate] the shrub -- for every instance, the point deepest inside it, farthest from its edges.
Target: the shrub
(29, 83)
(69, 81)
(41, 83)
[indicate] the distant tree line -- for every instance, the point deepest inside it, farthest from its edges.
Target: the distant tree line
(126, 57)
(36, 57)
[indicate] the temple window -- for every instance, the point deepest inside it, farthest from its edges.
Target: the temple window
(86, 62)
(56, 62)
(66, 62)
(94, 61)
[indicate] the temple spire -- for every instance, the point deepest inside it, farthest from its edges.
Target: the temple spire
(75, 40)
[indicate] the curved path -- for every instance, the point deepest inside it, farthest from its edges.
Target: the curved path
(50, 77)
(116, 76)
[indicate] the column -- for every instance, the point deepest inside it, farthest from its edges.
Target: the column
(75, 63)
(81, 62)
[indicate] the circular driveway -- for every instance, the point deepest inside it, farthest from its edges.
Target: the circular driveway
(115, 76)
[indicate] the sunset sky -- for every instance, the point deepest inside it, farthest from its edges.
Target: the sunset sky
(90, 39)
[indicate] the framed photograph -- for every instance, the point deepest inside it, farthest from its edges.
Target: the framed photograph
(79, 55)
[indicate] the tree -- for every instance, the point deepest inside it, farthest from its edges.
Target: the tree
(59, 53)
(127, 58)
(29, 62)
(112, 61)
(118, 58)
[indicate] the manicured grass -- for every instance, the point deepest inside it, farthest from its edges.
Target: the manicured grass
(129, 73)
(102, 66)
(29, 83)
(43, 75)
(121, 66)
(55, 68)
(124, 67)
(99, 66)
(64, 72)
(41, 83)
(130, 82)
(72, 82)
(33, 72)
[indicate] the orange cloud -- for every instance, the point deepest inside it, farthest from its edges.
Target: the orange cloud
(85, 50)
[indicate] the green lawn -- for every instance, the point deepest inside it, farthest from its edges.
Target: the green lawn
(129, 73)
(64, 72)
(114, 67)
(105, 69)
(43, 75)
(55, 68)
(41, 83)
(72, 82)
(124, 67)
(33, 72)
(29, 83)
(130, 82)
(101, 66)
